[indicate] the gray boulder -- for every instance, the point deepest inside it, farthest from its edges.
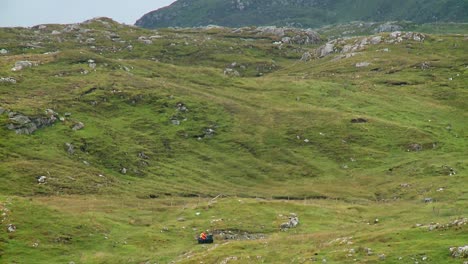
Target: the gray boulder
(41, 179)
(78, 126)
(20, 65)
(325, 50)
(293, 222)
(3, 51)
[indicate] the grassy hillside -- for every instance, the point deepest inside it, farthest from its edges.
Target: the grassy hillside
(301, 13)
(187, 130)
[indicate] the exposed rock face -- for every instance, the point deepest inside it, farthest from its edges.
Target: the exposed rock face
(349, 46)
(287, 35)
(325, 50)
(23, 124)
(388, 27)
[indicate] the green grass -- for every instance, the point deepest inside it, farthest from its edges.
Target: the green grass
(283, 143)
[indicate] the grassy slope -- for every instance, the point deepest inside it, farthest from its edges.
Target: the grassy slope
(254, 157)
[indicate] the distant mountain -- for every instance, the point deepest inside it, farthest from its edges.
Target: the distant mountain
(302, 13)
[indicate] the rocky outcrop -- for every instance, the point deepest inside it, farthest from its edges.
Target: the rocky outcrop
(352, 45)
(286, 35)
(459, 252)
(23, 124)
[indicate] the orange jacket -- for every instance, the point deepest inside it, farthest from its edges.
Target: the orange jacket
(203, 235)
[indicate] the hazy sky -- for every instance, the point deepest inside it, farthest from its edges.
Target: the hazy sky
(28, 13)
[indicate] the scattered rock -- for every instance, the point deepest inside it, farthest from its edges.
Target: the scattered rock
(2, 110)
(293, 222)
(181, 107)
(358, 120)
(78, 126)
(56, 32)
(236, 235)
(123, 170)
(306, 56)
(414, 147)
(92, 64)
(382, 256)
(7, 80)
(145, 40)
(175, 121)
(142, 155)
(69, 148)
(11, 228)
(388, 27)
(405, 185)
(459, 252)
(41, 179)
(457, 223)
(428, 200)
(3, 51)
(368, 251)
(362, 64)
(231, 72)
(20, 65)
(425, 65)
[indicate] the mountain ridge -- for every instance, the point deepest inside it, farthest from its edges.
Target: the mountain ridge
(301, 13)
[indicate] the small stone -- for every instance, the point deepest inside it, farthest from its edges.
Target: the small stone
(382, 256)
(362, 64)
(11, 228)
(428, 200)
(41, 179)
(69, 148)
(78, 126)
(123, 170)
(3, 51)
